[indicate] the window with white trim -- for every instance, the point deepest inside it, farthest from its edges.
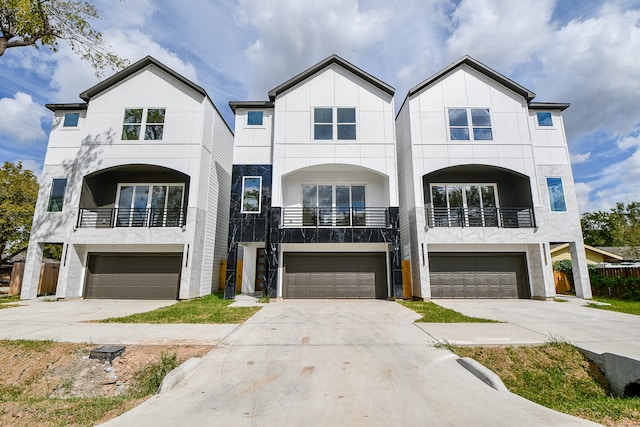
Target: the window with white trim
(544, 119)
(71, 120)
(556, 195)
(151, 120)
(331, 123)
(251, 194)
(470, 124)
(255, 118)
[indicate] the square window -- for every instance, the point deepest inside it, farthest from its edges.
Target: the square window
(254, 118)
(71, 120)
(133, 122)
(251, 194)
(340, 124)
(480, 129)
(56, 196)
(556, 195)
(544, 118)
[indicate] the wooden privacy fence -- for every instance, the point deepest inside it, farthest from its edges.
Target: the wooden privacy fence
(618, 271)
(48, 278)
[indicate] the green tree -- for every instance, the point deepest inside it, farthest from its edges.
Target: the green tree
(620, 226)
(45, 22)
(18, 194)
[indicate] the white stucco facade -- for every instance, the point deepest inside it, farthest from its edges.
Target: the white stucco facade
(519, 149)
(195, 145)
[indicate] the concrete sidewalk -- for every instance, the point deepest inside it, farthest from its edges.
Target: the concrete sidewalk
(67, 320)
(333, 363)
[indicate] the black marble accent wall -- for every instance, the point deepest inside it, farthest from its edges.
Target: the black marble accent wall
(246, 227)
(265, 227)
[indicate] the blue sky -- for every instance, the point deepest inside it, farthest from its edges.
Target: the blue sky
(580, 51)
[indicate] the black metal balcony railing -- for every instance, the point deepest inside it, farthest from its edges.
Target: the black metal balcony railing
(296, 217)
(118, 217)
(477, 217)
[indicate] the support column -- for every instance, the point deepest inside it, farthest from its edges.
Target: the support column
(580, 271)
(31, 274)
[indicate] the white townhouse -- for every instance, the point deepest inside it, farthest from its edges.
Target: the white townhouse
(314, 199)
(135, 186)
(485, 187)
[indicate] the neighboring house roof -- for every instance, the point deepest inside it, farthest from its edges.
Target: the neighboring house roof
(333, 59)
(626, 253)
(606, 254)
(249, 104)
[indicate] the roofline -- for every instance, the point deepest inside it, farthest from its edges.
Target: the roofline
(478, 66)
(333, 59)
(549, 105)
(249, 104)
(141, 64)
(66, 107)
(591, 248)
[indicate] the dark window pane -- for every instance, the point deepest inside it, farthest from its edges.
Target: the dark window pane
(459, 133)
(153, 132)
(458, 117)
(544, 119)
(438, 196)
(56, 198)
(357, 196)
(482, 134)
(71, 119)
(346, 131)
(323, 132)
(155, 115)
(480, 117)
(133, 115)
(130, 132)
(254, 118)
(346, 115)
(323, 115)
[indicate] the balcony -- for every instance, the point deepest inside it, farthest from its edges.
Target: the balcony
(332, 217)
(479, 217)
(118, 217)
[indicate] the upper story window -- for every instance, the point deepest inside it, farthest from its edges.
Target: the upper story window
(56, 196)
(544, 118)
(556, 195)
(334, 123)
(254, 118)
(135, 119)
(251, 194)
(470, 124)
(150, 205)
(71, 120)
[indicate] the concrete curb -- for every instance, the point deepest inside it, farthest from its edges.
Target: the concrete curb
(482, 372)
(174, 377)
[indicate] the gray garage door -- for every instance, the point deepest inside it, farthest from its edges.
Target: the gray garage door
(335, 275)
(133, 276)
(479, 275)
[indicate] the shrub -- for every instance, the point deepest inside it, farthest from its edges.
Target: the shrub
(627, 288)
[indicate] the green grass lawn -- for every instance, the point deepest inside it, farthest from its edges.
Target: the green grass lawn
(5, 301)
(208, 309)
(434, 313)
(559, 377)
(630, 307)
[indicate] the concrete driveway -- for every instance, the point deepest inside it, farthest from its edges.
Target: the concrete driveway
(334, 363)
(67, 321)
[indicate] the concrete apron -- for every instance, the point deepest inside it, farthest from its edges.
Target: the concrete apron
(335, 363)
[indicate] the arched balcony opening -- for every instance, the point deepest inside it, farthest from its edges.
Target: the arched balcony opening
(134, 196)
(478, 196)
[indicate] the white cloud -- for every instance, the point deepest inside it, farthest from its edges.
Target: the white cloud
(576, 159)
(501, 33)
(21, 118)
(583, 191)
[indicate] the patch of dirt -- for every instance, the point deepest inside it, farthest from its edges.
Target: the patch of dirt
(64, 370)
